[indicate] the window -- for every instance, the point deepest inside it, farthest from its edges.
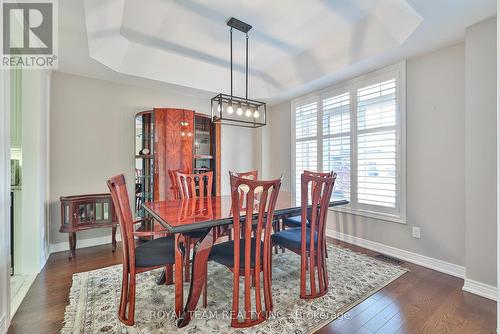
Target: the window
(356, 129)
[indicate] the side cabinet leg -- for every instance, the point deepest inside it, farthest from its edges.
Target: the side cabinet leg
(113, 239)
(72, 245)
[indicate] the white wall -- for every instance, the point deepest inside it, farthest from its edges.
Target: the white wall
(480, 152)
(279, 146)
(34, 200)
(92, 137)
(498, 172)
(435, 161)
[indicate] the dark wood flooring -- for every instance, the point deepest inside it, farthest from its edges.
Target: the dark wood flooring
(421, 301)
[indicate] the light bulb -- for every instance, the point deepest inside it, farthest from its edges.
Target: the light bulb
(189, 134)
(256, 114)
(248, 113)
(230, 109)
(183, 134)
(239, 111)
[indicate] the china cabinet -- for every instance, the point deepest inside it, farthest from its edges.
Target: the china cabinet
(169, 140)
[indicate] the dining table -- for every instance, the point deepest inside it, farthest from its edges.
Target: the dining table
(210, 214)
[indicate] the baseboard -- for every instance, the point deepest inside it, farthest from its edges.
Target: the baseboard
(480, 289)
(45, 258)
(3, 324)
(83, 243)
(421, 260)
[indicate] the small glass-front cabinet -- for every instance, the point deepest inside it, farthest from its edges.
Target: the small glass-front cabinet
(144, 160)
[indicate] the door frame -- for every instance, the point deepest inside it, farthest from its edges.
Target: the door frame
(4, 200)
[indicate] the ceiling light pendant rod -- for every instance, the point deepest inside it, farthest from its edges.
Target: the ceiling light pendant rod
(246, 71)
(231, 55)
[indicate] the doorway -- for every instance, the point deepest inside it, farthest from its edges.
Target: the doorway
(20, 279)
(29, 112)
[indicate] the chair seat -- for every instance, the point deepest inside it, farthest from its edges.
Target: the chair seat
(223, 253)
(295, 221)
(200, 233)
(156, 252)
(292, 238)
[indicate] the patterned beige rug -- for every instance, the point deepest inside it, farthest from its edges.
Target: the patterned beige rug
(95, 295)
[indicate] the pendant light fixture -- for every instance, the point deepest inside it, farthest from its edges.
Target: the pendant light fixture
(232, 109)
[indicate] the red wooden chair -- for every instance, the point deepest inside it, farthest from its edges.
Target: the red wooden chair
(194, 186)
(295, 221)
(248, 256)
(150, 255)
(309, 240)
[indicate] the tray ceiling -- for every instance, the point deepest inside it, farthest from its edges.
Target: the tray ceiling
(294, 45)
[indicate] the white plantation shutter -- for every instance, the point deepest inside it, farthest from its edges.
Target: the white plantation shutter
(377, 144)
(306, 145)
(337, 142)
(357, 130)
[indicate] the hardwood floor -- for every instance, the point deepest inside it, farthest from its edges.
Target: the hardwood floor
(421, 301)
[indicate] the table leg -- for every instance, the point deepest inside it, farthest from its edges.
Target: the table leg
(179, 281)
(198, 277)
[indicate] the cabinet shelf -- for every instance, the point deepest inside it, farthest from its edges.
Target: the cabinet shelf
(143, 176)
(145, 135)
(203, 156)
(144, 156)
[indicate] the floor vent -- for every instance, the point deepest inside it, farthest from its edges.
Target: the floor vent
(389, 259)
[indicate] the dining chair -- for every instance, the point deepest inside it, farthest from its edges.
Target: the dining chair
(249, 256)
(193, 186)
(309, 240)
(295, 221)
(149, 255)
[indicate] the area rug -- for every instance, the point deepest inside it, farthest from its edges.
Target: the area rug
(95, 295)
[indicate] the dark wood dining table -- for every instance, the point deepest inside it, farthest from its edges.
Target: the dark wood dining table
(187, 215)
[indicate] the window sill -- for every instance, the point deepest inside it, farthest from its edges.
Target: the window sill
(370, 214)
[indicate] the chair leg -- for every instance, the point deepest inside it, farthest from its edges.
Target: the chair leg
(205, 293)
(276, 229)
(187, 259)
(131, 302)
(123, 296)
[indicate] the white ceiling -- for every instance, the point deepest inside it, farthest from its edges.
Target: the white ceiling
(295, 46)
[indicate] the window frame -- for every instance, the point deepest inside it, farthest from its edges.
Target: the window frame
(351, 86)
